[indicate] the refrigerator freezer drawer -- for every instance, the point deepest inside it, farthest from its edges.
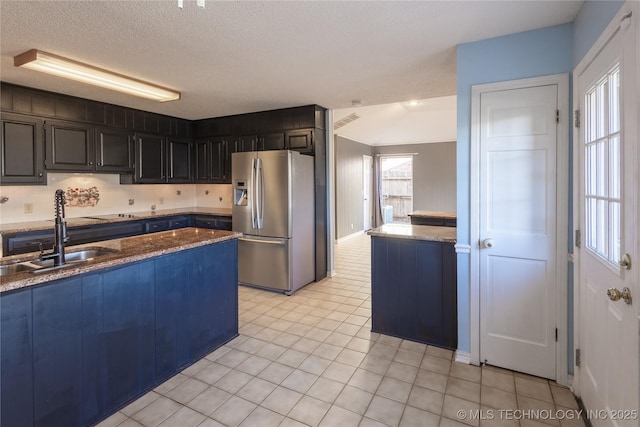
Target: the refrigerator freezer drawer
(264, 262)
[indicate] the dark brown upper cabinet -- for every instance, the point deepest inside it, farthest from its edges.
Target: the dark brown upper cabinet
(300, 140)
(246, 143)
(114, 150)
(150, 165)
(211, 160)
(271, 141)
(179, 157)
(220, 165)
(202, 161)
(69, 146)
(21, 150)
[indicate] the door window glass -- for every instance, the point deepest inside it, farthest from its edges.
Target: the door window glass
(603, 167)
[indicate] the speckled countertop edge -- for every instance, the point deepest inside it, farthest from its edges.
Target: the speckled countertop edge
(416, 232)
(128, 250)
(20, 227)
(433, 214)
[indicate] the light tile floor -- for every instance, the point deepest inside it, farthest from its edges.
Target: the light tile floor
(311, 359)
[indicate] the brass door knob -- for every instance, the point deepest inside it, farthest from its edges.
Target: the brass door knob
(614, 294)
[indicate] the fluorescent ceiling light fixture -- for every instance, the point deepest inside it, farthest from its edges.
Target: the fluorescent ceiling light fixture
(62, 67)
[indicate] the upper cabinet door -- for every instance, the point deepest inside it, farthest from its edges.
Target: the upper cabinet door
(300, 140)
(247, 143)
(21, 150)
(179, 160)
(219, 162)
(114, 150)
(150, 159)
(201, 162)
(272, 141)
(69, 146)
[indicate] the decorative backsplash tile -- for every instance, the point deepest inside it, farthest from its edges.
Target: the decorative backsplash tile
(82, 197)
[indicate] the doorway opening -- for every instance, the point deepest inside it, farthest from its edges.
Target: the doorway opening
(397, 188)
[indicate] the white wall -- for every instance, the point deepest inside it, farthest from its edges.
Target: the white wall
(114, 197)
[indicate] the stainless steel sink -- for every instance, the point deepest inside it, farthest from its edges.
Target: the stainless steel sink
(73, 258)
(5, 270)
(89, 253)
(41, 266)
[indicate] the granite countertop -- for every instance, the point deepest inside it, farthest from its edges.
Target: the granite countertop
(416, 232)
(126, 250)
(18, 227)
(433, 214)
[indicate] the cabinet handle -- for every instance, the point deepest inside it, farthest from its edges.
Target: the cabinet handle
(99, 164)
(90, 163)
(39, 173)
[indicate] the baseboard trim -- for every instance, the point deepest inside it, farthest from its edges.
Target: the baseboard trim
(349, 237)
(463, 357)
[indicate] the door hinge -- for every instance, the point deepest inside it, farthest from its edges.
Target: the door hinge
(557, 116)
(578, 238)
(578, 357)
(556, 334)
(576, 118)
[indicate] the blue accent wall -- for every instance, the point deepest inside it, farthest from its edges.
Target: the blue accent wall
(552, 50)
(590, 23)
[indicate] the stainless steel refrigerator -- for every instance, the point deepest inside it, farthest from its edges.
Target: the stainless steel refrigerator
(273, 208)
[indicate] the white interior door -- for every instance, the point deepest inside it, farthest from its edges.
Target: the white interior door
(367, 187)
(608, 329)
(517, 229)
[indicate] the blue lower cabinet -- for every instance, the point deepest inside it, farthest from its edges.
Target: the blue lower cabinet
(413, 290)
(93, 369)
(221, 264)
(76, 350)
(128, 355)
(172, 310)
(57, 354)
(16, 359)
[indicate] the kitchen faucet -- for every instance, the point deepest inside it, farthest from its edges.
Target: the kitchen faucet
(60, 229)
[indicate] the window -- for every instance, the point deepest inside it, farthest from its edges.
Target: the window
(603, 167)
(397, 188)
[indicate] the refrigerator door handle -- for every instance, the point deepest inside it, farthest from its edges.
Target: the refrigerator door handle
(252, 189)
(260, 186)
(267, 242)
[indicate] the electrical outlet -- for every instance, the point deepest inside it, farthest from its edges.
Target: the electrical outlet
(162, 200)
(28, 208)
(352, 226)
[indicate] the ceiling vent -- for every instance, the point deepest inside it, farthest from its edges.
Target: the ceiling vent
(346, 120)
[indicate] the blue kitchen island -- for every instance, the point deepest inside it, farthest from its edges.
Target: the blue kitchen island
(78, 343)
(413, 283)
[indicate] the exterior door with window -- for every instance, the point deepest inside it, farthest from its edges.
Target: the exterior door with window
(608, 321)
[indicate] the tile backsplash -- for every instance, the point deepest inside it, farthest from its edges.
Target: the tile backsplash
(113, 197)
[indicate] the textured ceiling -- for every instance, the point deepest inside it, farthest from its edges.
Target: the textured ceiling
(237, 57)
